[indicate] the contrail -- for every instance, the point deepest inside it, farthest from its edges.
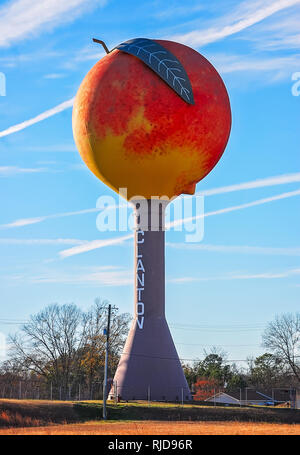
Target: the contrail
(59, 241)
(27, 221)
(93, 245)
(235, 207)
(268, 181)
(210, 35)
(102, 243)
(21, 126)
(194, 38)
(254, 276)
(237, 249)
(259, 183)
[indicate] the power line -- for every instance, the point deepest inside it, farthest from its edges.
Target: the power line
(181, 358)
(237, 327)
(233, 324)
(218, 345)
(215, 330)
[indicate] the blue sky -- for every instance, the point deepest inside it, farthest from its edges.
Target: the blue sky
(246, 270)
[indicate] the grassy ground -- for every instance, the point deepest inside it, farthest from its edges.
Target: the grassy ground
(174, 412)
(160, 428)
(76, 417)
(35, 412)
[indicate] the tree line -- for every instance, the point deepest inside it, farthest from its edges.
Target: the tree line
(279, 367)
(63, 348)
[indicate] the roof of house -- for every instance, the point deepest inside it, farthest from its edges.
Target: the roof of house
(256, 395)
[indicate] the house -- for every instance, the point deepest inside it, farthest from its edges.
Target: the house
(252, 397)
(295, 399)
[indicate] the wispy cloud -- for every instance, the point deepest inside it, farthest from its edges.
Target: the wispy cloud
(101, 276)
(103, 243)
(172, 10)
(23, 222)
(93, 245)
(27, 221)
(11, 61)
(241, 63)
(21, 19)
(54, 76)
(8, 171)
(260, 183)
(87, 245)
(237, 249)
(12, 241)
(87, 53)
(49, 148)
(49, 113)
(236, 207)
(244, 276)
(245, 16)
(109, 275)
(281, 33)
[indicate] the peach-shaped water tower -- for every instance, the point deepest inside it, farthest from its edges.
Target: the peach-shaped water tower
(153, 117)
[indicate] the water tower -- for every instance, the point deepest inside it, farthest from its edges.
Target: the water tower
(153, 117)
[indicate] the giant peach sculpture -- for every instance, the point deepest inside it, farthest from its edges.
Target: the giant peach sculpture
(153, 117)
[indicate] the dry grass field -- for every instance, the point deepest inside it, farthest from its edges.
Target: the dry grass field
(159, 428)
(38, 417)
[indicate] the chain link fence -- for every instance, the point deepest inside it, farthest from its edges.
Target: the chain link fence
(248, 396)
(31, 390)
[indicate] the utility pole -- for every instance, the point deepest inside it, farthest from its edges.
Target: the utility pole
(106, 332)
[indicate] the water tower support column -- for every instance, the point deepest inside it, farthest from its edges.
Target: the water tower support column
(149, 359)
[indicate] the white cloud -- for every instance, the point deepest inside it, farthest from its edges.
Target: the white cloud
(27, 221)
(251, 276)
(237, 249)
(20, 19)
(259, 183)
(108, 242)
(245, 16)
(279, 34)
(100, 276)
(172, 10)
(87, 53)
(236, 207)
(95, 244)
(8, 171)
(17, 59)
(238, 63)
(54, 76)
(49, 113)
(12, 241)
(23, 222)
(50, 148)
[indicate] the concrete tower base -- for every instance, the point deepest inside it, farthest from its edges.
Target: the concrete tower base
(150, 370)
(149, 367)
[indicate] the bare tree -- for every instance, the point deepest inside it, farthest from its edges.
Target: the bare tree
(49, 342)
(92, 354)
(282, 337)
(66, 345)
